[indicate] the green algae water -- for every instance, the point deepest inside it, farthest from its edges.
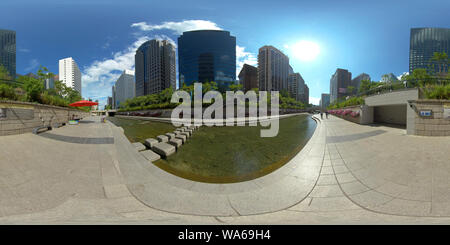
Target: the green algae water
(227, 154)
(140, 130)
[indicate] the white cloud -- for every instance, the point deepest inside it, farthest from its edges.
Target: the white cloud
(403, 74)
(23, 50)
(314, 100)
(32, 65)
(179, 27)
(244, 57)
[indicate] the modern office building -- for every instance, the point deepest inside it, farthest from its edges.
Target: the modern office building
(8, 51)
(296, 86)
(356, 82)
(248, 77)
(70, 74)
(113, 95)
(110, 101)
(423, 43)
(389, 78)
(273, 69)
(339, 82)
(155, 67)
(124, 88)
(305, 96)
(324, 101)
(207, 55)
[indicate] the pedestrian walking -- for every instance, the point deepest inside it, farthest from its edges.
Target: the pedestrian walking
(326, 114)
(321, 115)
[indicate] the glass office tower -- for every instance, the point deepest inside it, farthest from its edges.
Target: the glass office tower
(423, 43)
(8, 51)
(207, 55)
(155, 67)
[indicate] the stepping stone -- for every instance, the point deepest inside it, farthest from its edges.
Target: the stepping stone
(164, 149)
(187, 134)
(176, 142)
(139, 146)
(170, 135)
(150, 155)
(150, 142)
(162, 138)
(182, 137)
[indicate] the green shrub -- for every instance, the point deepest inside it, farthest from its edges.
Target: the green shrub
(7, 92)
(440, 92)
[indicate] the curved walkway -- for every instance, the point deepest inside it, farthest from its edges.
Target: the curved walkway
(347, 174)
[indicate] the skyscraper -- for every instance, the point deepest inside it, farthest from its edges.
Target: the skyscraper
(8, 51)
(305, 96)
(113, 95)
(423, 43)
(70, 74)
(296, 86)
(248, 77)
(207, 55)
(273, 69)
(124, 88)
(155, 67)
(339, 82)
(324, 101)
(356, 82)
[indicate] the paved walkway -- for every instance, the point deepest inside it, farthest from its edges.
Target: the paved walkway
(347, 174)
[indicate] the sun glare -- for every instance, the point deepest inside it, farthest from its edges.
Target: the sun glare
(305, 50)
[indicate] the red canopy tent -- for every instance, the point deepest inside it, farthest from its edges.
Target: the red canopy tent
(82, 103)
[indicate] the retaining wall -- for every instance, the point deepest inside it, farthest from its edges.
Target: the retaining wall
(22, 117)
(437, 123)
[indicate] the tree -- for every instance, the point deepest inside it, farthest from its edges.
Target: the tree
(350, 89)
(365, 86)
(235, 87)
(442, 60)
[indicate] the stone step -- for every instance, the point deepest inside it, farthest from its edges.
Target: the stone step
(182, 137)
(176, 142)
(162, 138)
(170, 135)
(164, 149)
(139, 146)
(150, 155)
(150, 142)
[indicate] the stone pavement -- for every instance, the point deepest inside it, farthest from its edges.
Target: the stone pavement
(346, 174)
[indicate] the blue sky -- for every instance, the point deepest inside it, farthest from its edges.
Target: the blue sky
(361, 36)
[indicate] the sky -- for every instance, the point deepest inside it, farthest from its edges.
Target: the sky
(102, 36)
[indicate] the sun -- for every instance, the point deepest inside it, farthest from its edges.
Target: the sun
(305, 50)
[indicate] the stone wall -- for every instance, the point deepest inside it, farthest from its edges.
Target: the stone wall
(438, 123)
(22, 117)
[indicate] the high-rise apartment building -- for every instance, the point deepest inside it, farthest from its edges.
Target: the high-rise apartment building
(155, 67)
(8, 51)
(205, 56)
(273, 69)
(70, 74)
(339, 82)
(124, 88)
(423, 43)
(248, 77)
